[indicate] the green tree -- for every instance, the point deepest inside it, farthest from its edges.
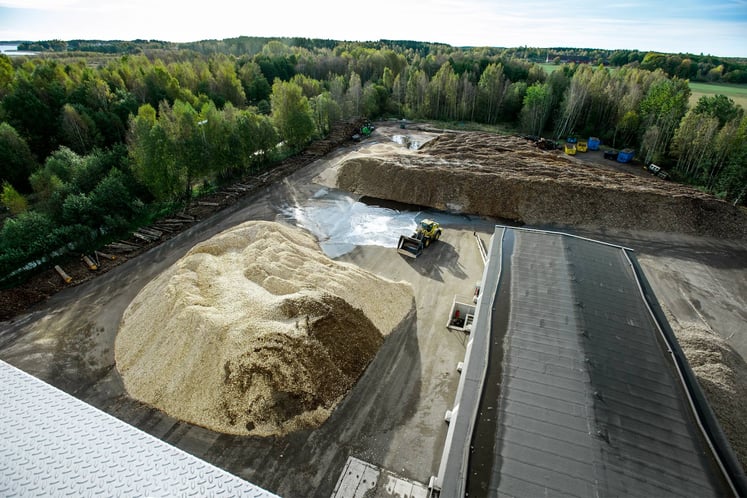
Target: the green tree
(492, 89)
(467, 97)
(78, 130)
(692, 144)
(374, 100)
(388, 78)
(16, 160)
(160, 85)
(353, 96)
(662, 110)
(513, 101)
(267, 138)
(66, 164)
(415, 95)
(536, 110)
(720, 107)
(187, 141)
(575, 101)
(441, 95)
(110, 204)
(12, 200)
(291, 114)
(34, 103)
(399, 91)
(154, 163)
(728, 147)
(256, 86)
(78, 209)
(6, 75)
(309, 86)
(227, 86)
(29, 231)
(337, 87)
(326, 112)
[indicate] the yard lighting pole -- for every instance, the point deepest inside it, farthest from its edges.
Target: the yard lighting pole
(202, 124)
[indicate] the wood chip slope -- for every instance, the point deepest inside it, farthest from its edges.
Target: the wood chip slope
(255, 331)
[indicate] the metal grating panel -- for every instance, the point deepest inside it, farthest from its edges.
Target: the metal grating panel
(53, 444)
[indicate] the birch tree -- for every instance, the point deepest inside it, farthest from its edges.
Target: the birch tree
(536, 110)
(353, 96)
(492, 89)
(575, 101)
(662, 110)
(726, 146)
(326, 111)
(417, 86)
(399, 91)
(692, 143)
(467, 99)
(441, 96)
(154, 164)
(291, 113)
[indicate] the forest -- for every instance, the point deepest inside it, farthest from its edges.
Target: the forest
(98, 137)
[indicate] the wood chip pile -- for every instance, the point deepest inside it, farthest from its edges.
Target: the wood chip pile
(510, 178)
(722, 374)
(255, 331)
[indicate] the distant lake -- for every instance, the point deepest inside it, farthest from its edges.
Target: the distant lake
(12, 50)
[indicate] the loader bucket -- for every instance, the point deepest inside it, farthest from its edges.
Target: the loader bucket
(409, 246)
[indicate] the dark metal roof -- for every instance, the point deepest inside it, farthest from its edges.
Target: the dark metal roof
(581, 396)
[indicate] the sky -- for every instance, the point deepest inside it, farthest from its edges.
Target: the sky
(715, 27)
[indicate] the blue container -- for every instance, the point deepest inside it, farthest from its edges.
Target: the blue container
(593, 143)
(625, 155)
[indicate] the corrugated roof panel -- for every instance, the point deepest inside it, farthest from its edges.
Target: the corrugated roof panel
(588, 403)
(53, 444)
(542, 365)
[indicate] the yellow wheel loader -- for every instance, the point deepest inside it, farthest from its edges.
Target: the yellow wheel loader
(427, 232)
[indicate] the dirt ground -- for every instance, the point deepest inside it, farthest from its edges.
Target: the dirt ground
(700, 281)
(393, 416)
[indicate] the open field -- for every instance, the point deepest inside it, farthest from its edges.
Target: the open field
(738, 93)
(549, 67)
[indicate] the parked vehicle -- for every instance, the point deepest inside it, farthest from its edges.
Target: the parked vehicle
(610, 154)
(656, 170)
(625, 155)
(427, 232)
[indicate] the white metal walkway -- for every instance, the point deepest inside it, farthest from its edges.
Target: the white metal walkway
(52, 444)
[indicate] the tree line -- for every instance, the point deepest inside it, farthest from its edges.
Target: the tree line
(91, 144)
(695, 67)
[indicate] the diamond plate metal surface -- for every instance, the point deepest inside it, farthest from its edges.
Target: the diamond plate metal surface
(52, 444)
